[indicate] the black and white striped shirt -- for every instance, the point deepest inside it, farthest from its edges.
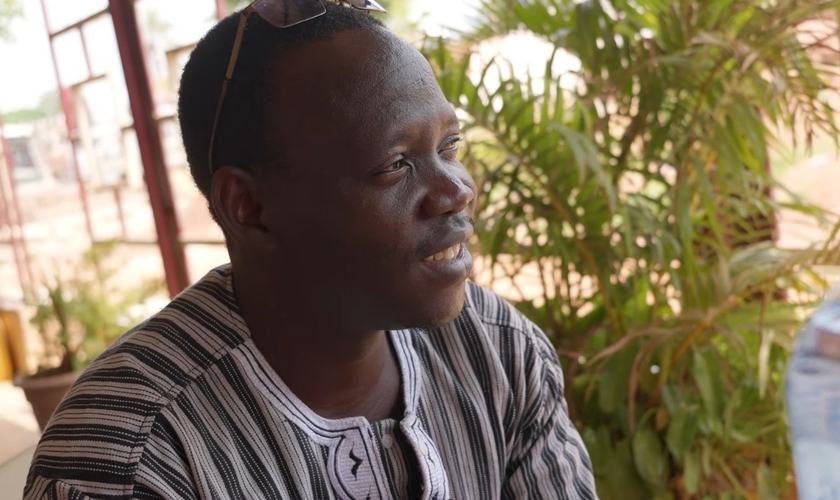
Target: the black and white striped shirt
(185, 406)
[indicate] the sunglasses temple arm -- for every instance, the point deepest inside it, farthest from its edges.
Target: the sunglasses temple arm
(215, 126)
(237, 42)
(234, 55)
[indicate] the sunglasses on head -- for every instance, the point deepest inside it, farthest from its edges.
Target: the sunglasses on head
(280, 14)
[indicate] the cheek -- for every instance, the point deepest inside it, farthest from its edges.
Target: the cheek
(303, 222)
(379, 226)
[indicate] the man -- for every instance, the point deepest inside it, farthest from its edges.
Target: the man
(813, 398)
(340, 354)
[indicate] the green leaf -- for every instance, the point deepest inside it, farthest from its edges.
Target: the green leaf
(651, 459)
(710, 425)
(691, 473)
(599, 446)
(766, 488)
(705, 457)
(745, 432)
(681, 431)
(613, 388)
(767, 337)
(671, 397)
(622, 478)
(707, 375)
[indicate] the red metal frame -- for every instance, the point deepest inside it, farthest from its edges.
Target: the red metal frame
(151, 150)
(123, 15)
(69, 112)
(13, 216)
(221, 9)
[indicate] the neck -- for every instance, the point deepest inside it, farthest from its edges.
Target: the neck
(337, 372)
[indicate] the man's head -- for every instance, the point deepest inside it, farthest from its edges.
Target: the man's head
(335, 171)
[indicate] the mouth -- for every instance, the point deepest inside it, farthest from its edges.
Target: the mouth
(448, 262)
(449, 254)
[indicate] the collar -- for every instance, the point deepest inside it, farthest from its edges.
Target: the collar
(218, 286)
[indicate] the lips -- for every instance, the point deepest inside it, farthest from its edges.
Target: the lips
(449, 247)
(448, 254)
(446, 263)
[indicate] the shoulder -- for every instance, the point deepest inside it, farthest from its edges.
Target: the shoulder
(526, 355)
(496, 348)
(98, 434)
(530, 361)
(503, 324)
(495, 343)
(152, 363)
(491, 308)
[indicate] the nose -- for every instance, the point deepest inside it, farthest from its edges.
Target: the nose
(451, 191)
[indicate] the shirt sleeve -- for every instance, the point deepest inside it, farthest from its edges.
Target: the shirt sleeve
(82, 470)
(53, 489)
(548, 460)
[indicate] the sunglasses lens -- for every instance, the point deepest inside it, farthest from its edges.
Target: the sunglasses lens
(285, 13)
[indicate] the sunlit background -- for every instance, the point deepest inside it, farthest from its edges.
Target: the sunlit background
(56, 230)
(78, 180)
(106, 151)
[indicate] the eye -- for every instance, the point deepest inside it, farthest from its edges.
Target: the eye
(450, 148)
(397, 166)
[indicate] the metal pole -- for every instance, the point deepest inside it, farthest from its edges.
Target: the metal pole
(151, 149)
(6, 220)
(221, 9)
(120, 212)
(70, 119)
(18, 238)
(86, 53)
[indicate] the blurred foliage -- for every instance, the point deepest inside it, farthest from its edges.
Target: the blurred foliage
(637, 187)
(80, 315)
(235, 5)
(9, 9)
(48, 105)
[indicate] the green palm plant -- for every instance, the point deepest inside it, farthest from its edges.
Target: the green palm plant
(636, 189)
(79, 313)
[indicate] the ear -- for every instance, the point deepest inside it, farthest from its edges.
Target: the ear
(234, 199)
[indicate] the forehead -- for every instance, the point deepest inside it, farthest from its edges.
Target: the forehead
(360, 82)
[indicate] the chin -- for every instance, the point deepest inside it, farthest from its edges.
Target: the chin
(437, 311)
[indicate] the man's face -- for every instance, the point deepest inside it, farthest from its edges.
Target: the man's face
(371, 209)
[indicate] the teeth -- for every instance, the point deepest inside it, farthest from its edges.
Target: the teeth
(448, 254)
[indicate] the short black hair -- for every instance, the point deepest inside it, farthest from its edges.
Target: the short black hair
(241, 134)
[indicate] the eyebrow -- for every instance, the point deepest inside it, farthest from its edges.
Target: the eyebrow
(453, 120)
(412, 132)
(450, 120)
